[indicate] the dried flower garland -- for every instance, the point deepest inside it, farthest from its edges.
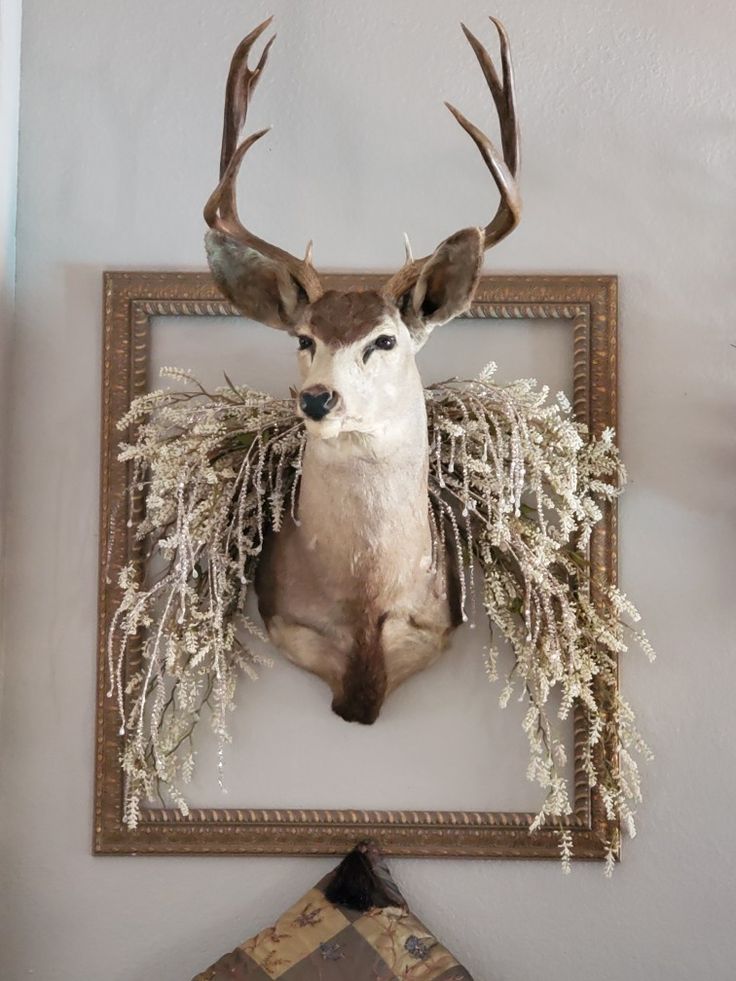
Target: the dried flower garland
(516, 486)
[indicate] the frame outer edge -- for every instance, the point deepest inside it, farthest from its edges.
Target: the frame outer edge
(137, 296)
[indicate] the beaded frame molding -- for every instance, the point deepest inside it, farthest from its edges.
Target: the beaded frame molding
(131, 301)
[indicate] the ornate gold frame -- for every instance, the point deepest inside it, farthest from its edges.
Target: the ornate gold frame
(589, 304)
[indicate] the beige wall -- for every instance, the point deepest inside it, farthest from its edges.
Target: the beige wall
(10, 21)
(629, 167)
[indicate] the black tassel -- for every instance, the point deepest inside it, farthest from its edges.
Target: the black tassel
(356, 884)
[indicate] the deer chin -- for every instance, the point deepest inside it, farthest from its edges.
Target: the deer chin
(325, 429)
(349, 427)
(349, 438)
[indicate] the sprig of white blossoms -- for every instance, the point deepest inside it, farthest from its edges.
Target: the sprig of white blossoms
(217, 469)
(515, 483)
(518, 485)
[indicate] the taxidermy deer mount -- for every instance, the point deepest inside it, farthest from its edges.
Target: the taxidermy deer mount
(353, 589)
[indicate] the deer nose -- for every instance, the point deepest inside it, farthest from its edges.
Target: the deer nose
(316, 402)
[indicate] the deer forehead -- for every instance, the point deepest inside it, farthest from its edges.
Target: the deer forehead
(343, 319)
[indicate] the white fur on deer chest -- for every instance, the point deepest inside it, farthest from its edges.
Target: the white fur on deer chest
(365, 519)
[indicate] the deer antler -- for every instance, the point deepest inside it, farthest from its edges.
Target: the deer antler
(221, 211)
(503, 167)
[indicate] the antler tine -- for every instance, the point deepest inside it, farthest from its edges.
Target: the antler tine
(508, 212)
(221, 211)
(502, 91)
(503, 167)
(241, 82)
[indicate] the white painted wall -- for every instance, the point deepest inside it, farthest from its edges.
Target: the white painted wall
(630, 167)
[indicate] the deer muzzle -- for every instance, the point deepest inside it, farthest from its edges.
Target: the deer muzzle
(316, 402)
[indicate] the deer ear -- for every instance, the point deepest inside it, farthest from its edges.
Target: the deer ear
(260, 287)
(446, 284)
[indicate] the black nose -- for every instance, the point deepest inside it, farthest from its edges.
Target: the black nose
(317, 402)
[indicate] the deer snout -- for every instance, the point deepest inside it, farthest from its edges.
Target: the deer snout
(317, 401)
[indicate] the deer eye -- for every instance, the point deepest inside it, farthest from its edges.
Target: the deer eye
(305, 343)
(382, 343)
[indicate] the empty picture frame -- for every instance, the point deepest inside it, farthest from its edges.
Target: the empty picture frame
(132, 300)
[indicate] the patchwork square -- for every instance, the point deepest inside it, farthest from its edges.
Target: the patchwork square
(296, 934)
(404, 944)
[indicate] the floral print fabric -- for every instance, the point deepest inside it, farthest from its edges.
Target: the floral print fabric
(315, 939)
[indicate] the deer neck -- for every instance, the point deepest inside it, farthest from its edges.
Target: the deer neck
(363, 499)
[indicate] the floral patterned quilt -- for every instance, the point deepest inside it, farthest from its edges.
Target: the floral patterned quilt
(317, 938)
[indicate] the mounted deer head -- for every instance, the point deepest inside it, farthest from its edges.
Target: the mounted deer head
(350, 592)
